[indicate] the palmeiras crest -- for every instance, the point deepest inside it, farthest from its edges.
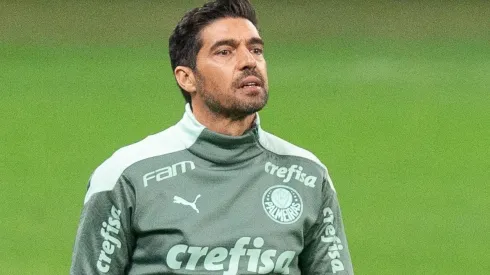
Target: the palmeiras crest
(282, 204)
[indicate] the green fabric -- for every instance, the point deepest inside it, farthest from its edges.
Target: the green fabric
(225, 205)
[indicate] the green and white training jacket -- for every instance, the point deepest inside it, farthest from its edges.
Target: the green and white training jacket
(191, 201)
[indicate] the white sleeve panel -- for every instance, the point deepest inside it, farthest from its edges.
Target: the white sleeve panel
(282, 147)
(176, 138)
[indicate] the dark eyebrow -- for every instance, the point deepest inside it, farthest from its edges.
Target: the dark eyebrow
(255, 40)
(227, 42)
(234, 43)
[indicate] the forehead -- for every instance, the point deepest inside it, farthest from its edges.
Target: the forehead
(239, 29)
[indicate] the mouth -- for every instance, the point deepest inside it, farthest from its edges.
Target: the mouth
(250, 81)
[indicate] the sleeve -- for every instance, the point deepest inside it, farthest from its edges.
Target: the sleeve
(326, 250)
(104, 239)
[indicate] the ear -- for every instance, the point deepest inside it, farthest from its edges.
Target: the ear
(186, 79)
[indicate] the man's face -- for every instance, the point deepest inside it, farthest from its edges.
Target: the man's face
(231, 73)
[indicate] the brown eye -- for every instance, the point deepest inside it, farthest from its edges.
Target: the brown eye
(223, 52)
(258, 51)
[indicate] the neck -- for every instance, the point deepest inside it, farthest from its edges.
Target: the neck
(222, 124)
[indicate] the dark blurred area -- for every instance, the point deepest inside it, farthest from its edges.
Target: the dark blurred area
(136, 22)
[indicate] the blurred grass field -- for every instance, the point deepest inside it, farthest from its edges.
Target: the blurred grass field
(393, 96)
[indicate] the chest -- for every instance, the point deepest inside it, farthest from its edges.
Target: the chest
(251, 217)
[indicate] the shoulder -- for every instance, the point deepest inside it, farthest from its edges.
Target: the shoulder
(282, 147)
(106, 175)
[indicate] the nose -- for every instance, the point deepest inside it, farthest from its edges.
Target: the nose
(246, 59)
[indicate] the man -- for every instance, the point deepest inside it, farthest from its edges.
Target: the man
(214, 194)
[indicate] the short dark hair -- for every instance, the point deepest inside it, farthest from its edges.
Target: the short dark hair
(185, 43)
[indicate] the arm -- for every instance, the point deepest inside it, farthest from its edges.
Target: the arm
(103, 243)
(326, 250)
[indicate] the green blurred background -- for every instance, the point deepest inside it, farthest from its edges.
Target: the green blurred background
(393, 96)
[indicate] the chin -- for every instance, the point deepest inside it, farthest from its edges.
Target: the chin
(252, 107)
(238, 107)
(256, 101)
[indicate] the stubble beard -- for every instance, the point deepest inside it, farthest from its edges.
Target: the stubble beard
(230, 106)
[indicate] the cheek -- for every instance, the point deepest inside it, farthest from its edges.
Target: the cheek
(222, 79)
(262, 66)
(263, 72)
(217, 76)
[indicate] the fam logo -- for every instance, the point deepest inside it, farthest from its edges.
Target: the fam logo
(282, 204)
(168, 172)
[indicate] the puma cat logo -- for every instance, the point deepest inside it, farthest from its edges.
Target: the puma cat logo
(182, 201)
